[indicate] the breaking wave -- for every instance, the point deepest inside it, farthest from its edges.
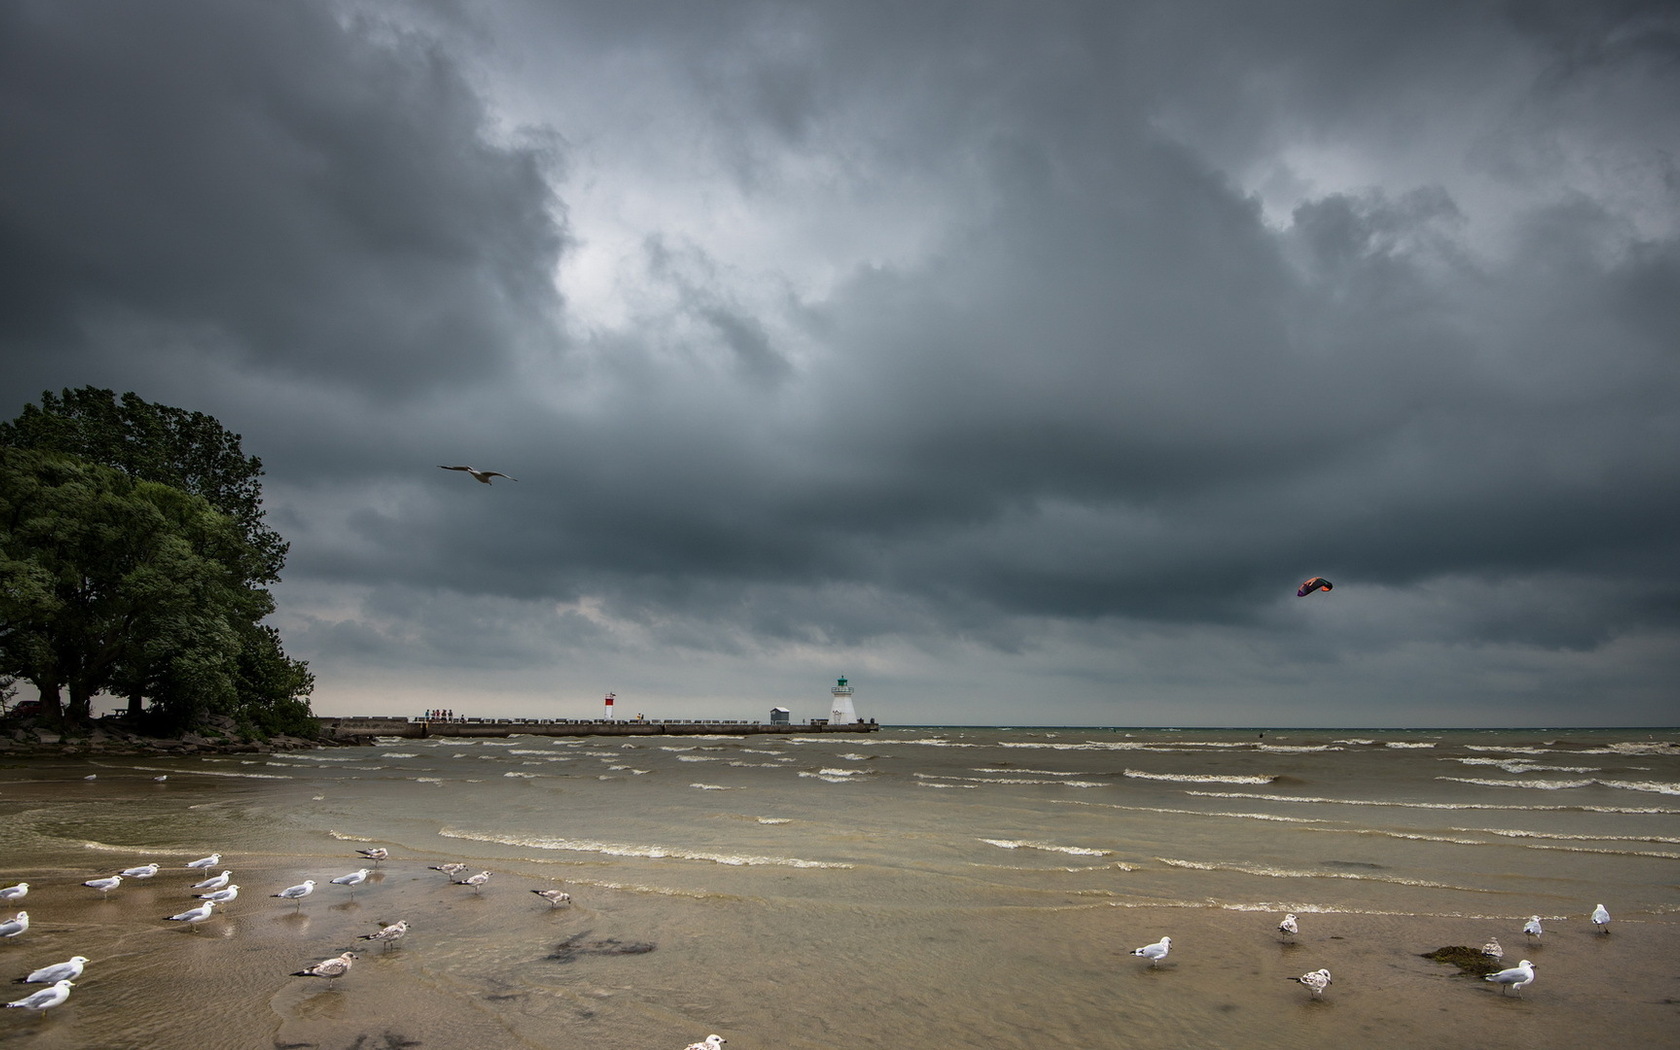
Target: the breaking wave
(623, 849)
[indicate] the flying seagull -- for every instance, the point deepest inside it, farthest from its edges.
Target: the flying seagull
(482, 475)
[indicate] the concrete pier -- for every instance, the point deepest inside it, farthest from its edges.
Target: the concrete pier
(361, 729)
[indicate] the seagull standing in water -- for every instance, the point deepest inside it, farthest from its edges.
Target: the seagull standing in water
(144, 871)
(1532, 926)
(1288, 926)
(68, 970)
(388, 935)
(297, 893)
(46, 998)
(1155, 952)
(193, 916)
(1492, 949)
(15, 925)
(475, 881)
(555, 898)
(204, 863)
(332, 969)
(214, 883)
(482, 475)
(1601, 918)
(221, 896)
(15, 893)
(376, 854)
(1519, 977)
(352, 880)
(451, 870)
(1318, 980)
(105, 885)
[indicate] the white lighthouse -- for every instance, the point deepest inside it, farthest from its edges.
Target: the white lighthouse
(842, 713)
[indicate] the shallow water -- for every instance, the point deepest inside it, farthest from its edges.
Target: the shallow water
(915, 887)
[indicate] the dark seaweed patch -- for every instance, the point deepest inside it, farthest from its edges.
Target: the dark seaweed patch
(575, 947)
(1468, 960)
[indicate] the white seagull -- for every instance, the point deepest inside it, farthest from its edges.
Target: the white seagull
(297, 893)
(555, 898)
(105, 885)
(46, 998)
(15, 925)
(332, 969)
(221, 896)
(352, 880)
(15, 893)
(1288, 927)
(388, 934)
(1318, 980)
(482, 475)
(711, 1042)
(1532, 926)
(144, 871)
(205, 862)
(475, 881)
(1492, 949)
(1155, 952)
(1601, 918)
(194, 915)
(68, 970)
(1518, 977)
(376, 854)
(214, 883)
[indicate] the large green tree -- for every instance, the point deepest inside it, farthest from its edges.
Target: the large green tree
(113, 579)
(147, 441)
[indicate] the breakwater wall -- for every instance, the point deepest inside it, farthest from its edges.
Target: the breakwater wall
(361, 729)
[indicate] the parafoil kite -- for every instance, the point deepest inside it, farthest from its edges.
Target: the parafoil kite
(1314, 584)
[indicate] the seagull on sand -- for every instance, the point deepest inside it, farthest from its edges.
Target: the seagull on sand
(221, 896)
(1532, 926)
(482, 475)
(1288, 927)
(203, 863)
(68, 970)
(105, 885)
(1318, 980)
(389, 935)
(214, 883)
(1155, 952)
(475, 881)
(332, 969)
(1492, 949)
(711, 1042)
(376, 854)
(555, 898)
(46, 998)
(1601, 918)
(15, 925)
(297, 893)
(451, 870)
(144, 871)
(195, 915)
(1518, 977)
(15, 893)
(352, 880)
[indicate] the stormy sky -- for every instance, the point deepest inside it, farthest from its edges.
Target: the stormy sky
(1016, 358)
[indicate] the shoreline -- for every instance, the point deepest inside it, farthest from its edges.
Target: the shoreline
(113, 736)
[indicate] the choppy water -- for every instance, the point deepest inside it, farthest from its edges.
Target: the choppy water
(916, 887)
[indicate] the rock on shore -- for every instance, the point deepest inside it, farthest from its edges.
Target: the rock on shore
(118, 736)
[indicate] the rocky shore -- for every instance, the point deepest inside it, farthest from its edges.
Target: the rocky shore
(118, 736)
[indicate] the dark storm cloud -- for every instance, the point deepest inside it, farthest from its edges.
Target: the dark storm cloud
(263, 183)
(1065, 336)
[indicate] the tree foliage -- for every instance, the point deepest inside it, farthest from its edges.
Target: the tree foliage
(119, 577)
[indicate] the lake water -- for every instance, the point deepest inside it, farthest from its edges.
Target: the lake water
(916, 887)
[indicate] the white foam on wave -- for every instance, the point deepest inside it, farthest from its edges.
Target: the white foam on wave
(1518, 833)
(624, 849)
(1201, 778)
(1520, 765)
(1355, 742)
(1656, 787)
(1033, 772)
(1403, 744)
(219, 773)
(1266, 871)
(937, 784)
(1318, 800)
(1296, 749)
(1014, 781)
(1194, 812)
(404, 754)
(775, 820)
(1077, 851)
